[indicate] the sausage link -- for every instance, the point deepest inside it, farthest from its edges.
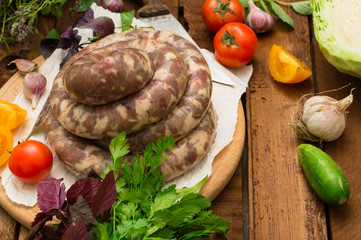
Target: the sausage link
(108, 75)
(133, 112)
(192, 148)
(79, 155)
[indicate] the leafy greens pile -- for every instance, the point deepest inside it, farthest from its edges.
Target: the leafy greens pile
(129, 201)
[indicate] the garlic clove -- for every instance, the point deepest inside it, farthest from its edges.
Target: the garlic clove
(24, 65)
(34, 87)
(260, 21)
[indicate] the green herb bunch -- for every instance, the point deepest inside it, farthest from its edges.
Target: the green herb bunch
(129, 201)
(18, 18)
(146, 209)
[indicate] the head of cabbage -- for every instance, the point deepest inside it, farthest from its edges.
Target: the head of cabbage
(337, 27)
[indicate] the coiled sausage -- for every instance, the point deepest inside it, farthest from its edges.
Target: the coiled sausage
(131, 113)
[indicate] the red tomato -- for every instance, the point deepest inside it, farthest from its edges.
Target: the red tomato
(217, 13)
(235, 44)
(31, 161)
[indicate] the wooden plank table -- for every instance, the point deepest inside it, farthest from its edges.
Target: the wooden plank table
(268, 197)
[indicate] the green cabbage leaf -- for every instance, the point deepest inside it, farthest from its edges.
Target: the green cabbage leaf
(337, 27)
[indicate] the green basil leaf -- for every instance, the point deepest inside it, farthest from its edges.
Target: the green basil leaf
(246, 12)
(263, 6)
(278, 11)
(57, 11)
(302, 8)
(53, 34)
(244, 3)
(127, 19)
(85, 4)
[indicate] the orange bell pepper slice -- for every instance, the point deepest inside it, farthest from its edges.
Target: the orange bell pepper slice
(11, 115)
(285, 67)
(6, 144)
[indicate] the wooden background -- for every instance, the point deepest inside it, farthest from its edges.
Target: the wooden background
(268, 197)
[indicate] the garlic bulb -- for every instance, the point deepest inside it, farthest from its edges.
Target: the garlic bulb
(112, 5)
(259, 20)
(322, 118)
(34, 86)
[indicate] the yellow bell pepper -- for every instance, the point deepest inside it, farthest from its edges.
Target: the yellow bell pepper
(11, 115)
(6, 144)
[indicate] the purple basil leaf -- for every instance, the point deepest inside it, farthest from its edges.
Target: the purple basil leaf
(40, 217)
(47, 46)
(63, 226)
(105, 216)
(38, 224)
(85, 187)
(102, 26)
(81, 209)
(87, 17)
(72, 51)
(51, 195)
(69, 38)
(76, 231)
(105, 196)
(68, 33)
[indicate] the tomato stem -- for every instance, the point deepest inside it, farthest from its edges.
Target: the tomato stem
(228, 39)
(223, 8)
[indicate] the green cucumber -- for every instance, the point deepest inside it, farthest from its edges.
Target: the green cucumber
(324, 175)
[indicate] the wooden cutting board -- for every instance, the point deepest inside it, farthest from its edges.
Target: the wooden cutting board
(223, 166)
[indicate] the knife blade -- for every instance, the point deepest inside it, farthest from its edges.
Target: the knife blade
(154, 13)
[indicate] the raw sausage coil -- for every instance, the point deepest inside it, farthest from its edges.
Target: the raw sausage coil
(176, 101)
(131, 113)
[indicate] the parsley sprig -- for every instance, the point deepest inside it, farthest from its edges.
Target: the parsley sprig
(145, 208)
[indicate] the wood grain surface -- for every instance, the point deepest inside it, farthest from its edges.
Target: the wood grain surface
(281, 204)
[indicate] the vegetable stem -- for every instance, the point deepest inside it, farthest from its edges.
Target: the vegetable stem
(283, 3)
(277, 1)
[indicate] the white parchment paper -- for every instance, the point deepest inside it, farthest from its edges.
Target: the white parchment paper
(225, 100)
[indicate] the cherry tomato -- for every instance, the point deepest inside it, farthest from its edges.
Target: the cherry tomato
(217, 13)
(285, 67)
(6, 144)
(235, 44)
(31, 161)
